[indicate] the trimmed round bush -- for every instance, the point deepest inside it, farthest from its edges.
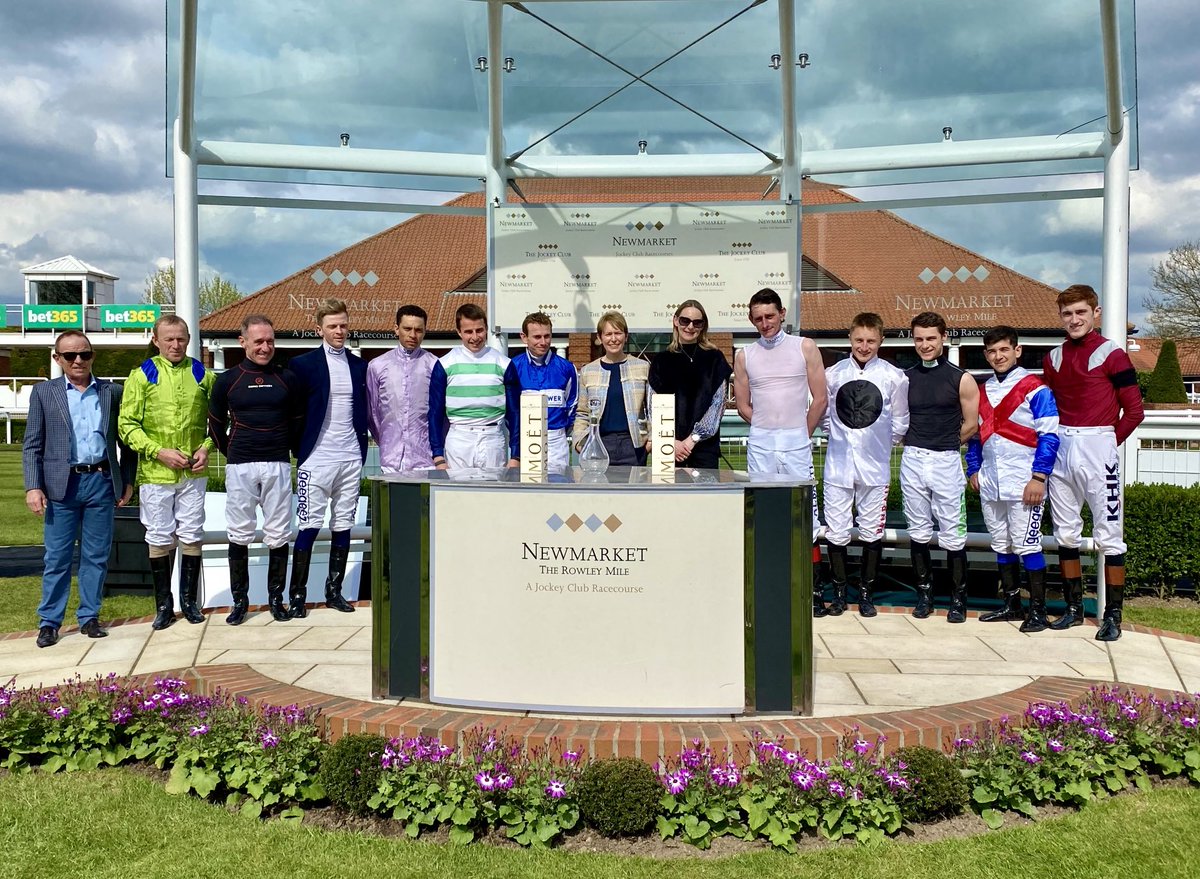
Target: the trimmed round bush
(938, 789)
(619, 797)
(350, 771)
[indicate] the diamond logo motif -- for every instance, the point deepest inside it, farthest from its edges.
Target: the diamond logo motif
(574, 522)
(926, 275)
(612, 523)
(555, 522)
(963, 273)
(981, 273)
(319, 277)
(336, 276)
(593, 522)
(355, 277)
(371, 278)
(945, 275)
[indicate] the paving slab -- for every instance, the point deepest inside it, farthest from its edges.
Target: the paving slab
(361, 658)
(920, 690)
(353, 682)
(165, 656)
(67, 652)
(113, 649)
(287, 672)
(1151, 671)
(323, 616)
(836, 687)
(847, 623)
(360, 640)
(899, 647)
(324, 638)
(49, 677)
(1048, 646)
(948, 667)
(879, 666)
(889, 624)
(1100, 671)
(263, 638)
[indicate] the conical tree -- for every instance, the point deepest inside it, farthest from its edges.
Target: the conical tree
(1166, 382)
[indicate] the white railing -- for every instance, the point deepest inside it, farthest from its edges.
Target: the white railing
(1165, 448)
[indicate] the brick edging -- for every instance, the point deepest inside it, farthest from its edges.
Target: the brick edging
(599, 737)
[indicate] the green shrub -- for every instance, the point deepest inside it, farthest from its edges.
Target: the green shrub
(619, 797)
(1166, 382)
(939, 789)
(350, 771)
(1161, 524)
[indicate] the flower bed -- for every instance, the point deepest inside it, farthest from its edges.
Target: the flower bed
(268, 761)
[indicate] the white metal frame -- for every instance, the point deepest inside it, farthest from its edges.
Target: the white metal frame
(1111, 145)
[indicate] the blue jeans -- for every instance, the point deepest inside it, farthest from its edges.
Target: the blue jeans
(88, 505)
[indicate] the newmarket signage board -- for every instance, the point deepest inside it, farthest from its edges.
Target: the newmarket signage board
(575, 262)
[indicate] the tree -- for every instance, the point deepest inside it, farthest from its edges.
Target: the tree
(1175, 307)
(1166, 382)
(215, 293)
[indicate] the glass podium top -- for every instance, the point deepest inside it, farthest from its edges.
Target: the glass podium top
(662, 77)
(615, 478)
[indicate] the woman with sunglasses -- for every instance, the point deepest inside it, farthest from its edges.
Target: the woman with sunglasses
(697, 373)
(618, 382)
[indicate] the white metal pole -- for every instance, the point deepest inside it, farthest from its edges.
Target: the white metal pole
(1114, 296)
(790, 183)
(495, 183)
(187, 242)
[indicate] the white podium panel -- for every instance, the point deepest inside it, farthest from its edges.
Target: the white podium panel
(634, 599)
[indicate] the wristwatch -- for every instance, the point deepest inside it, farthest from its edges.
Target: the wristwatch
(695, 437)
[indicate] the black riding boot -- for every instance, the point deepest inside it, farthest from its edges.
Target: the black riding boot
(922, 572)
(871, 554)
(276, 578)
(837, 569)
(1110, 624)
(333, 583)
(239, 583)
(1072, 585)
(1035, 620)
(189, 584)
(164, 602)
(818, 585)
(1010, 584)
(298, 590)
(958, 586)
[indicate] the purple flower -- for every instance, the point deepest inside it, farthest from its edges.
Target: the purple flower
(1189, 722)
(861, 747)
(732, 775)
(197, 731)
(121, 715)
(803, 780)
(570, 756)
(485, 781)
(59, 712)
(676, 783)
(268, 740)
(1030, 758)
(49, 697)
(490, 744)
(896, 781)
(504, 781)
(837, 789)
(791, 758)
(1056, 746)
(963, 743)
(556, 790)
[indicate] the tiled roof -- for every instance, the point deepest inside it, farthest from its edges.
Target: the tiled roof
(891, 266)
(1146, 357)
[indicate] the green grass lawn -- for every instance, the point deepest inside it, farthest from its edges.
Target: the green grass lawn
(116, 824)
(20, 596)
(21, 527)
(1185, 621)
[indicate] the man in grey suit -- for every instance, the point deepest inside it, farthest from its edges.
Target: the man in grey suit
(72, 478)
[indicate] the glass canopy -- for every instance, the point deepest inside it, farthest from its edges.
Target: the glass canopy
(667, 77)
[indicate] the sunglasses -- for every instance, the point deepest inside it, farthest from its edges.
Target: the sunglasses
(697, 322)
(71, 356)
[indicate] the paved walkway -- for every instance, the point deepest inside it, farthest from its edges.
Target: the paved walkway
(864, 667)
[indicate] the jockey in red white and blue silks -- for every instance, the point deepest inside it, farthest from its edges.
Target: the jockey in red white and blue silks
(1017, 441)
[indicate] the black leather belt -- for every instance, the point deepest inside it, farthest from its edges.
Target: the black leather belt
(98, 467)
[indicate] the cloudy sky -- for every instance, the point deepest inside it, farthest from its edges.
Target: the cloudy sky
(83, 104)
